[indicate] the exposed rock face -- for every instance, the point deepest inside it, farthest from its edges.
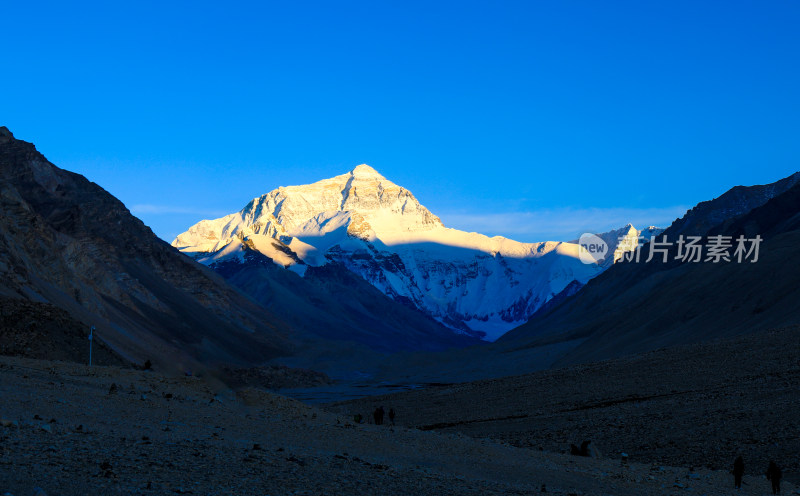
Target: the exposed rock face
(474, 284)
(66, 241)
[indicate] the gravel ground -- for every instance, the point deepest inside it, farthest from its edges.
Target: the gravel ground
(72, 430)
(689, 406)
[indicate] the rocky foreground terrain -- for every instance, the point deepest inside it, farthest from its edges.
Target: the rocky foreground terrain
(74, 430)
(689, 406)
(41, 330)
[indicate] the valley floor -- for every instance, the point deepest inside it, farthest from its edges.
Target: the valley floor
(697, 405)
(74, 430)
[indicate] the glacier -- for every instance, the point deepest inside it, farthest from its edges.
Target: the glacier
(474, 284)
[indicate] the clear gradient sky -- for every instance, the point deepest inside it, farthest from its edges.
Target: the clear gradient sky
(534, 120)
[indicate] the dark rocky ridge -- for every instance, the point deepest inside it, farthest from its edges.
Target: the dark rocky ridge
(66, 241)
(636, 307)
(735, 202)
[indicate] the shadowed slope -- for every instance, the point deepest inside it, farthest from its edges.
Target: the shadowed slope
(66, 241)
(634, 307)
(334, 303)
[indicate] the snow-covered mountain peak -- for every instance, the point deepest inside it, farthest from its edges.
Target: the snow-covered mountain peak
(364, 171)
(628, 239)
(625, 239)
(362, 202)
(380, 231)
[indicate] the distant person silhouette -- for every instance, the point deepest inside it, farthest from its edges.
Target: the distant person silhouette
(378, 414)
(582, 451)
(738, 472)
(774, 474)
(391, 415)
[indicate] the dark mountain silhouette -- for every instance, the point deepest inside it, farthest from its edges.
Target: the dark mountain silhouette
(67, 242)
(636, 307)
(735, 202)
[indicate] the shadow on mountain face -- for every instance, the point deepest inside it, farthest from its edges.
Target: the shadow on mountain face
(335, 304)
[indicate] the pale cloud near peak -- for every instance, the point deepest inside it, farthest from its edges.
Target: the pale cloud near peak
(560, 224)
(146, 208)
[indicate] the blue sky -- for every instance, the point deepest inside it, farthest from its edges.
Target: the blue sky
(534, 120)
